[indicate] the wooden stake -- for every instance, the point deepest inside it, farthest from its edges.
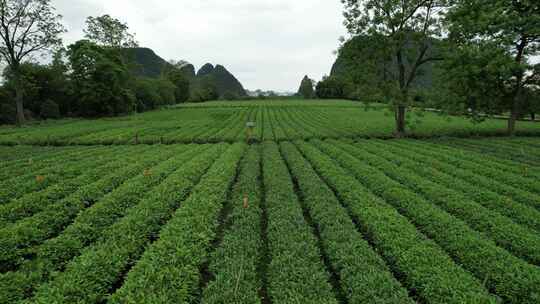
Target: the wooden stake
(246, 201)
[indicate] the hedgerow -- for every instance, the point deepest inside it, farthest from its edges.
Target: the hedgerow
(168, 271)
(422, 265)
(55, 253)
(218, 122)
(476, 164)
(22, 163)
(234, 265)
(507, 234)
(512, 279)
(268, 130)
(460, 180)
(296, 273)
(481, 180)
(13, 188)
(15, 240)
(363, 274)
(501, 149)
(90, 277)
(85, 171)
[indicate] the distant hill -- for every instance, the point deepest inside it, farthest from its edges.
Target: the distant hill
(224, 81)
(146, 63)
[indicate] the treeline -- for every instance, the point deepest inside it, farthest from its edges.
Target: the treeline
(89, 80)
(477, 58)
(104, 74)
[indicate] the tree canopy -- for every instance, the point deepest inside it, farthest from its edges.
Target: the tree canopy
(306, 88)
(27, 28)
(504, 35)
(404, 31)
(108, 31)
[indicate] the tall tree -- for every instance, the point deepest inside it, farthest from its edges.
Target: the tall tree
(108, 31)
(101, 80)
(306, 88)
(27, 27)
(513, 27)
(173, 72)
(405, 31)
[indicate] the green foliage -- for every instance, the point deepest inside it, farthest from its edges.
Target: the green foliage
(511, 278)
(192, 228)
(143, 62)
(204, 90)
(212, 83)
(276, 119)
(28, 28)
(230, 96)
(205, 70)
(100, 80)
(55, 253)
(177, 77)
(291, 241)
(226, 82)
(108, 31)
(402, 246)
(332, 88)
(7, 113)
(405, 33)
(306, 88)
(146, 92)
(335, 221)
(363, 274)
(49, 110)
(518, 240)
(472, 78)
(42, 83)
(511, 31)
(167, 91)
(31, 231)
(237, 258)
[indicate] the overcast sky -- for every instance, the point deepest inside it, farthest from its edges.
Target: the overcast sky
(266, 44)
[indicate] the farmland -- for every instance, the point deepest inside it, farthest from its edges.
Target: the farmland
(173, 206)
(220, 121)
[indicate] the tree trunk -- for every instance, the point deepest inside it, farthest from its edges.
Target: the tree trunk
(19, 96)
(533, 116)
(514, 114)
(400, 121)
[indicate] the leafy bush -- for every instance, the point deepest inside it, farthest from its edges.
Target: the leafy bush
(49, 110)
(230, 96)
(394, 236)
(7, 113)
(101, 80)
(331, 88)
(148, 97)
(509, 277)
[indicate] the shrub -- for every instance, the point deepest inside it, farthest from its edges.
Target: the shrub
(50, 110)
(7, 113)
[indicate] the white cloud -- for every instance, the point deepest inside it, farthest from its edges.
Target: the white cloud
(267, 44)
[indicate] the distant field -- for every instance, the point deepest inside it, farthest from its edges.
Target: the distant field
(399, 221)
(225, 122)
